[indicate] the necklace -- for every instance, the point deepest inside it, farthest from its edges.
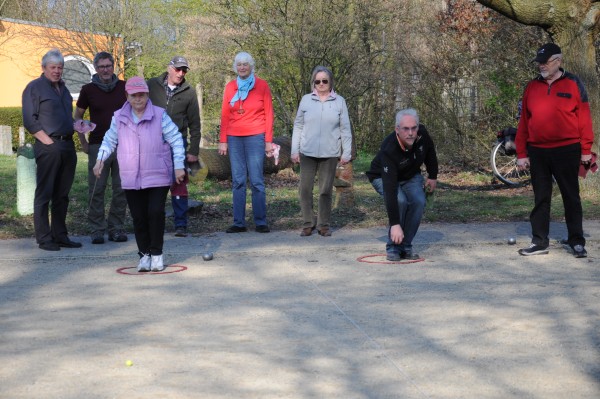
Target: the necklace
(241, 109)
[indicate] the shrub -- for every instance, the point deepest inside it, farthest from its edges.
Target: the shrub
(13, 117)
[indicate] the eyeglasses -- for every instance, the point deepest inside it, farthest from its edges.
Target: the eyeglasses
(550, 61)
(407, 129)
(104, 66)
(182, 69)
(324, 81)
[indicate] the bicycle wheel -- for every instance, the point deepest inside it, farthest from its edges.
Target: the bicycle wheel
(505, 167)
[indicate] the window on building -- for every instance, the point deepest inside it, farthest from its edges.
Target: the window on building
(78, 71)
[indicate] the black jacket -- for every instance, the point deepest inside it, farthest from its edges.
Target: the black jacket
(182, 108)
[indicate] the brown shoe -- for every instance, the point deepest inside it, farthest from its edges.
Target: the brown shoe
(325, 232)
(307, 231)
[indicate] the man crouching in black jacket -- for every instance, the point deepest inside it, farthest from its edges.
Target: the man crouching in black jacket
(395, 174)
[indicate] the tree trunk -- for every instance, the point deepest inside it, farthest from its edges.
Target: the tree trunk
(219, 167)
(573, 25)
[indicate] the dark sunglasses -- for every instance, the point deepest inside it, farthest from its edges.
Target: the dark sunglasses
(324, 81)
(182, 69)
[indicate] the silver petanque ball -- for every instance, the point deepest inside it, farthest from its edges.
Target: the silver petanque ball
(207, 256)
(512, 241)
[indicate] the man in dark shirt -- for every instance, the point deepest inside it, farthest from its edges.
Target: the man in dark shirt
(48, 116)
(104, 96)
(171, 92)
(395, 174)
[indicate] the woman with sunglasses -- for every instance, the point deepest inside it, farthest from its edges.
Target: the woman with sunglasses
(247, 134)
(321, 135)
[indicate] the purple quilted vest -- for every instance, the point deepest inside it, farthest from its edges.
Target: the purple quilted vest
(144, 157)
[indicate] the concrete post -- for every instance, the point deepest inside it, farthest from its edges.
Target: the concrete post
(21, 136)
(5, 140)
(26, 179)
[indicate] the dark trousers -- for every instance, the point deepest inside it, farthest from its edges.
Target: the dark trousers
(179, 198)
(96, 189)
(563, 164)
(324, 168)
(147, 208)
(54, 177)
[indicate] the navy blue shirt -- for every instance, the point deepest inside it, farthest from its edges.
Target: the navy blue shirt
(45, 109)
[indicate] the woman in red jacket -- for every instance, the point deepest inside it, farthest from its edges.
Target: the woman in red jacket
(247, 134)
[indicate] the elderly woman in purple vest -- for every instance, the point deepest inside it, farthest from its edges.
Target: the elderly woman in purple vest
(148, 146)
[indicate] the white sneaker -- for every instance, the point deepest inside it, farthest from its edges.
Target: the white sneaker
(157, 263)
(144, 265)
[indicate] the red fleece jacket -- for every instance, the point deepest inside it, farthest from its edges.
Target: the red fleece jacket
(555, 115)
(257, 116)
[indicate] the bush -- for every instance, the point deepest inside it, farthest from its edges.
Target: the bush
(13, 117)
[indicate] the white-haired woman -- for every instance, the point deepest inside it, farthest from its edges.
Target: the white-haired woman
(247, 134)
(322, 137)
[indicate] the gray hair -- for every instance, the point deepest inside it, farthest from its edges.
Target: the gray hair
(103, 55)
(407, 112)
(53, 56)
(242, 57)
(320, 68)
(556, 57)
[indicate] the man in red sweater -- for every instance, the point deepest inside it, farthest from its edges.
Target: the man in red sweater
(553, 137)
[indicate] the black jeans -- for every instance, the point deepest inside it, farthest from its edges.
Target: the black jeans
(54, 177)
(147, 207)
(563, 164)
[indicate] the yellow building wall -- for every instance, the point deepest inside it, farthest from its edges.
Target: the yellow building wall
(22, 45)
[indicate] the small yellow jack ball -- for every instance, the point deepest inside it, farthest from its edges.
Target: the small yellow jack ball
(129, 363)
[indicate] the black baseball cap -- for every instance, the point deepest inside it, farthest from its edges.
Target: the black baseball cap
(179, 62)
(545, 52)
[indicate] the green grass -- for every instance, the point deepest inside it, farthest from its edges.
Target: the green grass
(462, 197)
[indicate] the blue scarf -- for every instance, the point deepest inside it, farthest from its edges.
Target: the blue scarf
(244, 87)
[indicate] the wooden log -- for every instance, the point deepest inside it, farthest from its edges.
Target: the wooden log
(219, 167)
(343, 184)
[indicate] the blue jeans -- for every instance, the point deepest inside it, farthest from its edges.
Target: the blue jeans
(247, 157)
(411, 202)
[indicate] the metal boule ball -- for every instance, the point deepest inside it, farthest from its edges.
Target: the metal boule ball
(207, 256)
(512, 241)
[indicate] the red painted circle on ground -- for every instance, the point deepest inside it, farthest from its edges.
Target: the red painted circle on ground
(168, 270)
(366, 259)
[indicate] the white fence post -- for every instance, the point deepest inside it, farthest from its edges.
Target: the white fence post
(5, 140)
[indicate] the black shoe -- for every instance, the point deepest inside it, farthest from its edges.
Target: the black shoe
(236, 229)
(533, 249)
(393, 257)
(180, 232)
(97, 238)
(263, 228)
(49, 246)
(66, 243)
(579, 251)
(409, 255)
(117, 236)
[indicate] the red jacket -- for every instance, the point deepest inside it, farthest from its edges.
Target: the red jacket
(555, 115)
(257, 116)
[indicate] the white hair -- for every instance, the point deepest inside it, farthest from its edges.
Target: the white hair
(407, 112)
(243, 57)
(53, 56)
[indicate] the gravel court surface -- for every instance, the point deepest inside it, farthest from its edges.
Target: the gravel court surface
(283, 316)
